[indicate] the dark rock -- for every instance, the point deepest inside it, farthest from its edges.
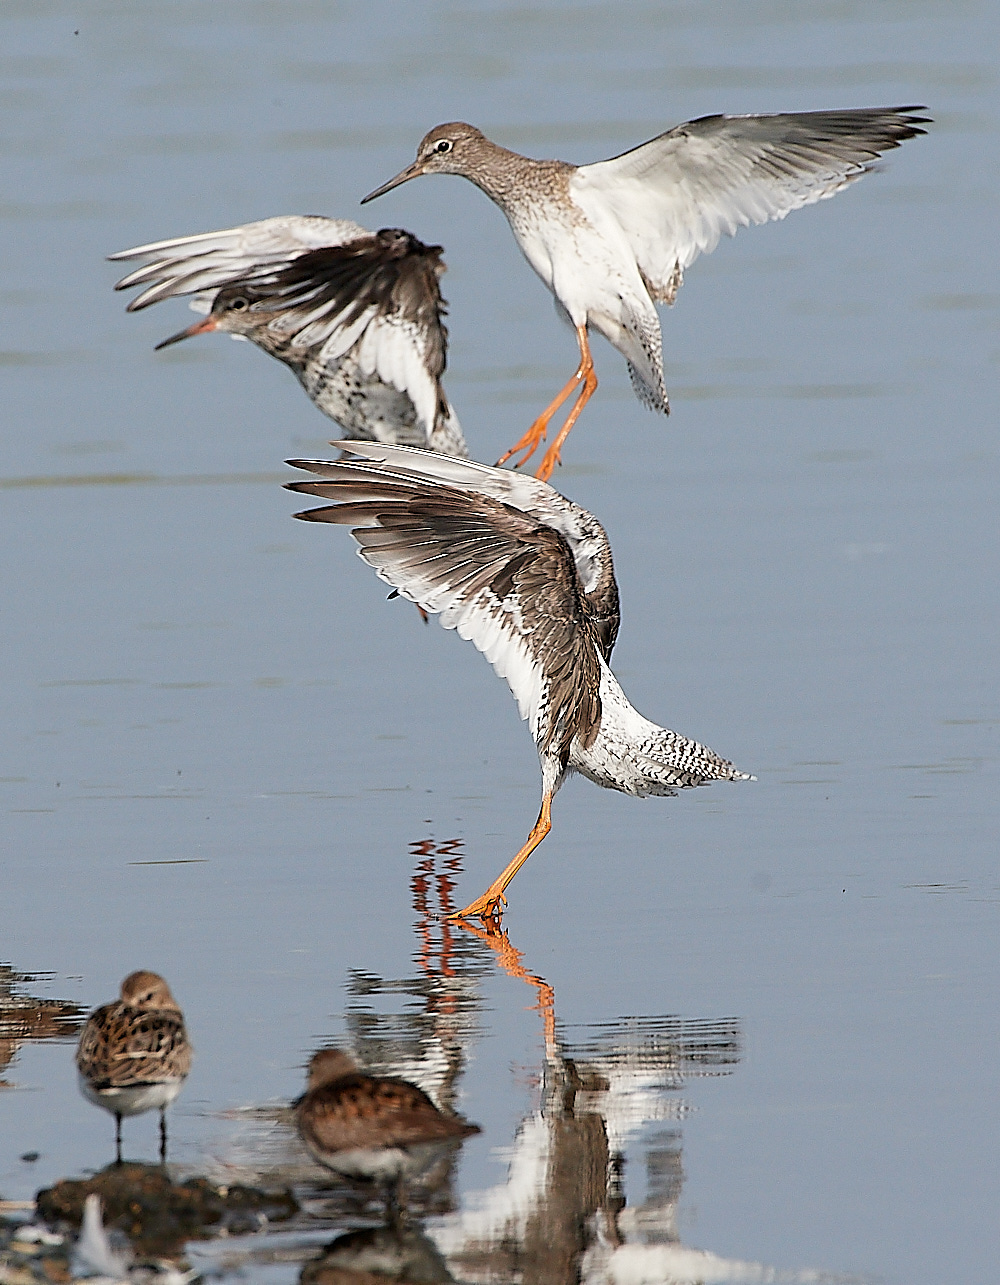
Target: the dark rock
(158, 1215)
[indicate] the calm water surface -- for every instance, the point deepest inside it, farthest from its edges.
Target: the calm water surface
(750, 1028)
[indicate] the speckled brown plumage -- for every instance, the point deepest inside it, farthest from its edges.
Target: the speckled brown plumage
(372, 1128)
(134, 1055)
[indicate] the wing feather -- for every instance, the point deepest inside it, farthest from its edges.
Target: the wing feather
(676, 195)
(504, 580)
(584, 534)
(228, 255)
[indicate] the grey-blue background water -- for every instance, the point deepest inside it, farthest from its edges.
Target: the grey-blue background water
(221, 742)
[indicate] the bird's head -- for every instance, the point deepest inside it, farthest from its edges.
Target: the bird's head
(455, 148)
(232, 311)
(147, 990)
(328, 1065)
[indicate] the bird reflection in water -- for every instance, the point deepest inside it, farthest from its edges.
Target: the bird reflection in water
(608, 1094)
(562, 1214)
(405, 1255)
(28, 1018)
(386, 1111)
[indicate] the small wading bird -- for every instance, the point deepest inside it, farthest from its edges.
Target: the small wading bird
(526, 575)
(134, 1054)
(372, 1128)
(358, 316)
(612, 239)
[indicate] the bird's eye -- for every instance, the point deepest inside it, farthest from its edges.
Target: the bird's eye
(239, 304)
(443, 145)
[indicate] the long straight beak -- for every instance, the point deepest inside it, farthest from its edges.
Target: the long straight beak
(411, 171)
(199, 328)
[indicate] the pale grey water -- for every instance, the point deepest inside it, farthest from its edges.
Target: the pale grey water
(221, 743)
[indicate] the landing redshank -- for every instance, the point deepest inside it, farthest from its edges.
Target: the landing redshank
(612, 239)
(134, 1054)
(527, 576)
(358, 316)
(375, 1128)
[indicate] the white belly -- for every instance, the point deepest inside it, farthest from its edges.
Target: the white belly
(133, 1099)
(587, 264)
(381, 1164)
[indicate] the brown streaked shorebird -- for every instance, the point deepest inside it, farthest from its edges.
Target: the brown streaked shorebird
(134, 1054)
(358, 316)
(527, 576)
(611, 240)
(372, 1128)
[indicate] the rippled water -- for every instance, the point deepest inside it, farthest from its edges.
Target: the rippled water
(762, 1016)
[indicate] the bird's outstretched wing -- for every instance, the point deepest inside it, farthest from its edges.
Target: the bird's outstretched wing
(209, 260)
(503, 579)
(380, 293)
(584, 534)
(677, 194)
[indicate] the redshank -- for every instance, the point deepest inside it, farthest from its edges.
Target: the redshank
(134, 1054)
(372, 1128)
(358, 316)
(527, 576)
(612, 239)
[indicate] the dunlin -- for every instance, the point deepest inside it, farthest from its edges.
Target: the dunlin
(372, 1128)
(134, 1054)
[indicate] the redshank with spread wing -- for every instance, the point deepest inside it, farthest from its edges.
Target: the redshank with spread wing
(358, 316)
(527, 577)
(612, 239)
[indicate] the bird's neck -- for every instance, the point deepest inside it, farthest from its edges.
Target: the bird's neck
(509, 178)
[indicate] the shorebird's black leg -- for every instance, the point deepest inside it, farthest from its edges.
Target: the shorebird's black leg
(163, 1135)
(395, 1197)
(118, 1139)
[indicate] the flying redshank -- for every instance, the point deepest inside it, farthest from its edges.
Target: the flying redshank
(612, 239)
(372, 1128)
(527, 576)
(134, 1054)
(358, 316)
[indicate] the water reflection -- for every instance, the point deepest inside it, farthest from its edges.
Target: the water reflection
(26, 1018)
(605, 1123)
(564, 1204)
(429, 1041)
(406, 1255)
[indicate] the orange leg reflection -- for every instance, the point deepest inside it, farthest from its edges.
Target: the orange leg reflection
(535, 435)
(444, 881)
(490, 905)
(510, 960)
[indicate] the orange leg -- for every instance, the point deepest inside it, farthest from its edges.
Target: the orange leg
(586, 373)
(490, 905)
(535, 435)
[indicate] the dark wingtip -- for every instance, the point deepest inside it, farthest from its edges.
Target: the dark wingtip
(314, 515)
